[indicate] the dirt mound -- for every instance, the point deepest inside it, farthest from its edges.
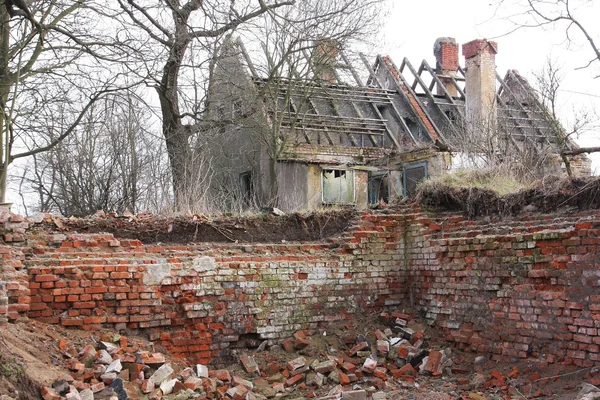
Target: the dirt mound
(264, 227)
(549, 195)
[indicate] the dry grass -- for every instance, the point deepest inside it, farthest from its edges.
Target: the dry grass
(480, 193)
(496, 180)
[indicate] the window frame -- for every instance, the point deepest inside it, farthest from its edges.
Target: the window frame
(413, 166)
(347, 171)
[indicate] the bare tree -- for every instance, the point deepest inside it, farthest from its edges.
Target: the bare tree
(179, 33)
(548, 82)
(568, 15)
(109, 163)
(57, 61)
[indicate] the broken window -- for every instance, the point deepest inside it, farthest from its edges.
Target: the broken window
(246, 187)
(338, 186)
(414, 128)
(413, 174)
(379, 188)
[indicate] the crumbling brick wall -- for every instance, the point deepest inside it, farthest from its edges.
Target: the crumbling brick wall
(202, 300)
(518, 288)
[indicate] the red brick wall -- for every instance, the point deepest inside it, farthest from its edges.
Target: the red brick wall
(519, 288)
(199, 301)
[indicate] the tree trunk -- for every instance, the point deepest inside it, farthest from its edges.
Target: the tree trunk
(176, 135)
(4, 92)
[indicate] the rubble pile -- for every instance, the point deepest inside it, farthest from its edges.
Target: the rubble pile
(396, 360)
(369, 366)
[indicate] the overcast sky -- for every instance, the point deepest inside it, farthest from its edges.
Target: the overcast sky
(413, 27)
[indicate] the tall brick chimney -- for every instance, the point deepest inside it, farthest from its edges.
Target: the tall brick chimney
(324, 58)
(480, 85)
(445, 51)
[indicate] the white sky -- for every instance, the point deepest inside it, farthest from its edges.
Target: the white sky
(413, 27)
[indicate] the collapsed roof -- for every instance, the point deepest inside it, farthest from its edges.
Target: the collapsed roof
(406, 108)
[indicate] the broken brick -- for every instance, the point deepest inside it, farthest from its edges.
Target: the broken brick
(369, 365)
(296, 363)
(325, 366)
(360, 346)
(381, 373)
(383, 347)
(513, 373)
(354, 395)
(288, 345)
(50, 394)
(406, 370)
(294, 380)
(301, 343)
(221, 374)
(250, 365)
(349, 367)
(343, 378)
(433, 362)
(237, 381)
(272, 369)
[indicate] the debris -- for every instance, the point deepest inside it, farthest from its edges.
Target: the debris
(588, 392)
(250, 365)
(377, 365)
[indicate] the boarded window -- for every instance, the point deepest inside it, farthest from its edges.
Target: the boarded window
(338, 186)
(413, 174)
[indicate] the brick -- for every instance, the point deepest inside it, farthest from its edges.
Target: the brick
(250, 365)
(46, 278)
(49, 394)
(369, 365)
(344, 379)
(383, 347)
(301, 343)
(288, 345)
(193, 383)
(294, 380)
(327, 366)
(433, 362)
(354, 395)
(296, 363)
(97, 387)
(406, 370)
(221, 374)
(360, 346)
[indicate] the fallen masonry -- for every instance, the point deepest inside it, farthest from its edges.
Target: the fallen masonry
(518, 291)
(395, 358)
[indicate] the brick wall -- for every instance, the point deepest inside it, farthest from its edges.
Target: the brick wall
(520, 288)
(202, 301)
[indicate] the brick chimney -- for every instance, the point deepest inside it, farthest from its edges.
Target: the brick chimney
(445, 51)
(480, 85)
(324, 58)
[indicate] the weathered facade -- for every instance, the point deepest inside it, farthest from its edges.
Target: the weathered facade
(328, 136)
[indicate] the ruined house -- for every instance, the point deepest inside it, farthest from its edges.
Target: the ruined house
(331, 134)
